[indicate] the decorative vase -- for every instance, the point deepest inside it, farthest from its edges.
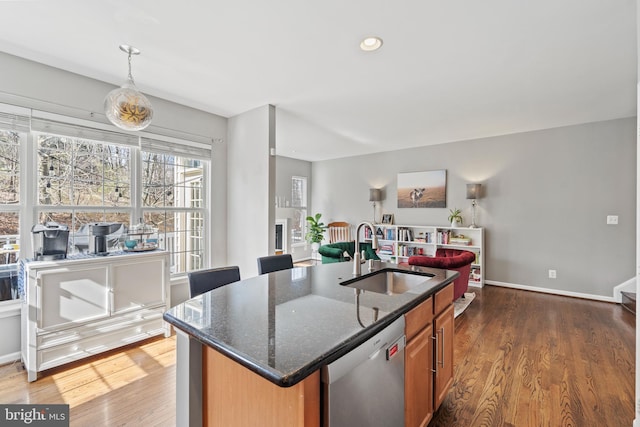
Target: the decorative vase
(455, 223)
(315, 246)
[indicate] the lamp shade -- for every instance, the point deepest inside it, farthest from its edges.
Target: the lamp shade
(375, 195)
(473, 191)
(126, 107)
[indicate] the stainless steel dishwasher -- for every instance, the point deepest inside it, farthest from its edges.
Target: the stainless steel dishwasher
(365, 387)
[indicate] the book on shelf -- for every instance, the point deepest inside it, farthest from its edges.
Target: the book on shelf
(367, 233)
(443, 237)
(465, 241)
(408, 251)
(389, 234)
(405, 234)
(385, 249)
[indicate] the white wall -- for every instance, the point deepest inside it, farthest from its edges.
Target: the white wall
(546, 198)
(10, 326)
(251, 188)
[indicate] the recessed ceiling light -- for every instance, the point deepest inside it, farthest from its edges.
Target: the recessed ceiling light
(370, 44)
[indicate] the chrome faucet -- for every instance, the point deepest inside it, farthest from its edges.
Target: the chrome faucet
(356, 255)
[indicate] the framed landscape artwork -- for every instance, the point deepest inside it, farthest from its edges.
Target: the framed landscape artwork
(422, 189)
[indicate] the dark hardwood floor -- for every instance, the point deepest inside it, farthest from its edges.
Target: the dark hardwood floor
(531, 359)
(521, 359)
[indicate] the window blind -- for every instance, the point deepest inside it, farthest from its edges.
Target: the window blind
(193, 150)
(14, 118)
(76, 128)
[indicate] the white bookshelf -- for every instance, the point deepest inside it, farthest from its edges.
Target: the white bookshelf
(399, 242)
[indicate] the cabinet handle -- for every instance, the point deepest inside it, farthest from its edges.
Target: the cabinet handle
(435, 338)
(38, 304)
(442, 332)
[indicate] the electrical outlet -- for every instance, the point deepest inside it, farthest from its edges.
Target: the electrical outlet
(552, 274)
(612, 219)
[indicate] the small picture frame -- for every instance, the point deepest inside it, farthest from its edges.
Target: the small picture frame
(387, 218)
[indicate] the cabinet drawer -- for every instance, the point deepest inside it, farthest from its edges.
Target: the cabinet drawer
(60, 354)
(80, 332)
(444, 298)
(418, 318)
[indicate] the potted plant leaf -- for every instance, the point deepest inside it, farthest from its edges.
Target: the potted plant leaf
(315, 231)
(455, 218)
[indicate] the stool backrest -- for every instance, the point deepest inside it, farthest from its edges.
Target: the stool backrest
(267, 264)
(202, 281)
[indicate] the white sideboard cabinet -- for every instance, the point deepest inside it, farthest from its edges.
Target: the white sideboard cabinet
(76, 308)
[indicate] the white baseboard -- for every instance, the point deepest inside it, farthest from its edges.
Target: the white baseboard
(10, 308)
(551, 291)
(628, 286)
(8, 358)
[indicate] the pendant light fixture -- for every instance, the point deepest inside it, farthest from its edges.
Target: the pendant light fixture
(126, 107)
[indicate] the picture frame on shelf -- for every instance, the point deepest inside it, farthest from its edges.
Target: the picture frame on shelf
(387, 218)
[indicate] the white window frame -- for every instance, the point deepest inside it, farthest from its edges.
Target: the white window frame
(16, 119)
(203, 210)
(304, 208)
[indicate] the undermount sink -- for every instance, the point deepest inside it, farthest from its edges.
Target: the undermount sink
(387, 282)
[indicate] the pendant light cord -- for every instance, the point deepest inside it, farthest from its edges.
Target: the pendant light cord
(130, 75)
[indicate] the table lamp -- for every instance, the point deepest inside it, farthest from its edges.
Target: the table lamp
(375, 195)
(473, 193)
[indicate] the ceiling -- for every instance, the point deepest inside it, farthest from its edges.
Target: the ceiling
(447, 71)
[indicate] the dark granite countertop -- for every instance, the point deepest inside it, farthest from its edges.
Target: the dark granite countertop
(287, 324)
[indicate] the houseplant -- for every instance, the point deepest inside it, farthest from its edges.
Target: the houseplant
(455, 218)
(315, 231)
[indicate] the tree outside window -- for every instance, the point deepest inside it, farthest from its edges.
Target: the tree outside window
(10, 205)
(173, 201)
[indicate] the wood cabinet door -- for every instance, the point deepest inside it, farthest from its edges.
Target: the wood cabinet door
(418, 384)
(443, 354)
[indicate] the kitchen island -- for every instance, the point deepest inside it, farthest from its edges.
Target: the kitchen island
(257, 346)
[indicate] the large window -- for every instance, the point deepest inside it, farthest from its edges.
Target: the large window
(86, 172)
(81, 182)
(173, 201)
(299, 204)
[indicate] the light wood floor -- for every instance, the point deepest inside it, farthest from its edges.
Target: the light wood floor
(521, 359)
(130, 387)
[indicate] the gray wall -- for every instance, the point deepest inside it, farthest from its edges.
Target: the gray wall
(546, 197)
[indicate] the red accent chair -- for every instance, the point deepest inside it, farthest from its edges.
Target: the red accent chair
(449, 259)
